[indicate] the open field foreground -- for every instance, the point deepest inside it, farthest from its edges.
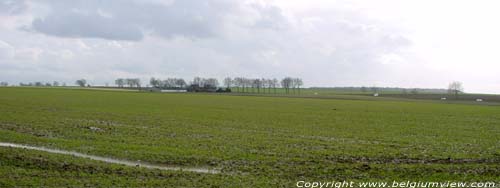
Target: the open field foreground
(252, 141)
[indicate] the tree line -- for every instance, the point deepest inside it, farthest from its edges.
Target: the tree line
(264, 85)
(130, 82)
(241, 84)
(41, 84)
(178, 83)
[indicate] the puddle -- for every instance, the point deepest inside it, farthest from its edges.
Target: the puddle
(111, 160)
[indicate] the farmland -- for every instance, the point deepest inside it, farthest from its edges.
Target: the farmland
(253, 141)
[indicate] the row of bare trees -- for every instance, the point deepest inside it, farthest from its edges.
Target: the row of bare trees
(241, 84)
(167, 83)
(130, 82)
(37, 84)
(293, 83)
(205, 82)
(263, 85)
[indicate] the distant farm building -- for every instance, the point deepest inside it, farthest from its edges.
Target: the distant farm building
(198, 88)
(173, 90)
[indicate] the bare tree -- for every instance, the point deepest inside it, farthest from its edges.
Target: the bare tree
(161, 84)
(180, 83)
(298, 83)
(286, 83)
(4, 84)
(256, 84)
(81, 82)
(155, 82)
(275, 84)
(129, 82)
(239, 83)
(137, 82)
(252, 84)
(196, 81)
(266, 83)
(249, 83)
(228, 82)
(170, 82)
(245, 82)
(212, 82)
(120, 82)
(166, 83)
(455, 88)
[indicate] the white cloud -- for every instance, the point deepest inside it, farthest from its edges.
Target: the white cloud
(29, 54)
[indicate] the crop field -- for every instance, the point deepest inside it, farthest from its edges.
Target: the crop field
(252, 141)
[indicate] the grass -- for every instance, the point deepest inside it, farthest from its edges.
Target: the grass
(256, 141)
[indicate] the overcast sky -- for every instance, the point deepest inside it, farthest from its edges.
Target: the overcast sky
(386, 43)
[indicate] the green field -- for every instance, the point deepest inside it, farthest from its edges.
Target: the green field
(254, 141)
(355, 93)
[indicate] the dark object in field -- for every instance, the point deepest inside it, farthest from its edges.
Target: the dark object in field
(197, 88)
(365, 167)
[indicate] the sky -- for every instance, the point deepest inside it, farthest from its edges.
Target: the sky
(327, 43)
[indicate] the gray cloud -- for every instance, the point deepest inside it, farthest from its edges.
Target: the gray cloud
(131, 20)
(10, 7)
(72, 24)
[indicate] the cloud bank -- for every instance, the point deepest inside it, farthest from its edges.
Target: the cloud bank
(327, 43)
